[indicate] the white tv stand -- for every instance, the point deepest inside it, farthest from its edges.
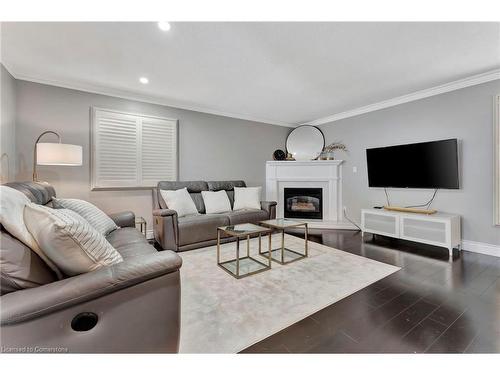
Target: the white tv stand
(439, 229)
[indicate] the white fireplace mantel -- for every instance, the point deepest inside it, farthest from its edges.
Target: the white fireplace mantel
(324, 174)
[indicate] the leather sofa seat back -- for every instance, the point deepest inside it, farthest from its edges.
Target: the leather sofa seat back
(198, 202)
(228, 186)
(37, 192)
(21, 267)
(194, 188)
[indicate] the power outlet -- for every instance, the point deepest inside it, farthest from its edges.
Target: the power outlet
(354, 169)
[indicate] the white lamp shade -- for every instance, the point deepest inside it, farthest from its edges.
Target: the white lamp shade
(58, 154)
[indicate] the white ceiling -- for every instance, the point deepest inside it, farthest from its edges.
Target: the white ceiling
(283, 73)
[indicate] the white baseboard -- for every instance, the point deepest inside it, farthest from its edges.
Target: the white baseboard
(481, 248)
(472, 246)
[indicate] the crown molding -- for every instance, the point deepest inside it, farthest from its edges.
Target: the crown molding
(417, 95)
(129, 95)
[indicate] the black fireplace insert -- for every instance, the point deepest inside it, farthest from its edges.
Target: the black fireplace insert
(303, 203)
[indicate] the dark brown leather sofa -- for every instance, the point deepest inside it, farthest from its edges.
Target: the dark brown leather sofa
(130, 307)
(190, 232)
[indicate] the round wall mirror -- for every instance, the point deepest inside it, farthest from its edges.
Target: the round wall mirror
(305, 142)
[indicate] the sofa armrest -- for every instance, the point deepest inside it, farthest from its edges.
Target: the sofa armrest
(165, 228)
(269, 207)
(35, 302)
(164, 212)
(124, 219)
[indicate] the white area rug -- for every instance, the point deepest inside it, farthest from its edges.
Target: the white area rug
(221, 314)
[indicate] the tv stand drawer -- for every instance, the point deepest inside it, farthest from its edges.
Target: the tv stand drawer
(381, 223)
(432, 232)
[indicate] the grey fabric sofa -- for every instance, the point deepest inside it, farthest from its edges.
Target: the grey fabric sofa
(190, 232)
(130, 307)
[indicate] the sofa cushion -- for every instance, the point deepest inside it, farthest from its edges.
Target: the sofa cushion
(98, 219)
(129, 242)
(228, 186)
(179, 201)
(246, 216)
(12, 203)
(21, 268)
(247, 198)
(194, 189)
(199, 228)
(69, 240)
(216, 202)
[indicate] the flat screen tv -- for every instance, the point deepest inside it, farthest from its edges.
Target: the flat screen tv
(426, 165)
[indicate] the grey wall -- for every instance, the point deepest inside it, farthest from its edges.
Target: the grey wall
(466, 114)
(210, 147)
(7, 125)
(215, 147)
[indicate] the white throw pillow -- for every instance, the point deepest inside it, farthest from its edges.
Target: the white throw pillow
(12, 218)
(69, 240)
(216, 201)
(180, 201)
(98, 219)
(247, 198)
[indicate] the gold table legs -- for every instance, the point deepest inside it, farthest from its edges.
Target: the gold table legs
(251, 264)
(280, 254)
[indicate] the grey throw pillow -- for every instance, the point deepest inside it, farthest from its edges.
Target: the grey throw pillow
(98, 219)
(69, 240)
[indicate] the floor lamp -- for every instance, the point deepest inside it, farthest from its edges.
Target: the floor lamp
(55, 153)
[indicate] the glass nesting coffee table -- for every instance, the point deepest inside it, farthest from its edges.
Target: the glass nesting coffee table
(282, 254)
(240, 267)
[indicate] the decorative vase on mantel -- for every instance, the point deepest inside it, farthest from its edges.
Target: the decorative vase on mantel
(327, 153)
(327, 156)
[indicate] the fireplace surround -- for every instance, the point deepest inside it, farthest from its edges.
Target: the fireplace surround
(325, 175)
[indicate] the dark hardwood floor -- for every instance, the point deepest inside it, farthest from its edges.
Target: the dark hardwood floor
(429, 306)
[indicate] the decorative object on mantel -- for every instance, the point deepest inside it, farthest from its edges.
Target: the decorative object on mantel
(327, 153)
(305, 142)
(279, 155)
(289, 157)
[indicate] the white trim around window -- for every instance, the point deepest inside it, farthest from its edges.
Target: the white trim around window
(496, 162)
(131, 150)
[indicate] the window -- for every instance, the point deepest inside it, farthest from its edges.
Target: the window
(131, 150)
(497, 161)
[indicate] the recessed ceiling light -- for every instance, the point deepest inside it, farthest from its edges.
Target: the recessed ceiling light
(163, 25)
(144, 80)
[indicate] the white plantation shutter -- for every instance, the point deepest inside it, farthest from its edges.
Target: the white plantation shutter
(131, 150)
(115, 149)
(159, 150)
